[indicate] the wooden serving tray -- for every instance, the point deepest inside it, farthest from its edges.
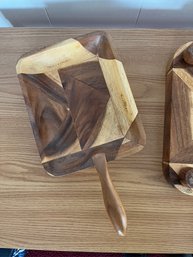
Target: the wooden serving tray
(81, 107)
(178, 136)
(79, 103)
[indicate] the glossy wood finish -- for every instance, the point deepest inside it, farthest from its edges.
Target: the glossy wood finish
(112, 200)
(178, 141)
(89, 118)
(67, 213)
(86, 107)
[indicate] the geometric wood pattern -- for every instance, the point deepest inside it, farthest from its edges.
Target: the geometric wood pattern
(82, 111)
(54, 208)
(178, 136)
(79, 103)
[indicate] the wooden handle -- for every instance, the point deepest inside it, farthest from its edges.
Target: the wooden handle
(112, 201)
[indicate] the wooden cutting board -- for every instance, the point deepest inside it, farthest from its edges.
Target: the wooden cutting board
(178, 136)
(82, 110)
(80, 102)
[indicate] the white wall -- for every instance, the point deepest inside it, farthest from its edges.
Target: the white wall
(95, 13)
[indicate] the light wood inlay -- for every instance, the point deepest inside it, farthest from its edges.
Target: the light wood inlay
(61, 55)
(108, 132)
(181, 49)
(119, 89)
(185, 76)
(54, 76)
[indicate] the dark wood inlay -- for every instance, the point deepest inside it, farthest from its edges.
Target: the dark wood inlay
(87, 103)
(51, 121)
(97, 43)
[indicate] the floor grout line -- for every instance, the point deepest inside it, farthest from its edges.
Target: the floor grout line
(48, 16)
(138, 16)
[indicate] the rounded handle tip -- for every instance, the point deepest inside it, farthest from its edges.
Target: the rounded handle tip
(122, 231)
(117, 215)
(111, 198)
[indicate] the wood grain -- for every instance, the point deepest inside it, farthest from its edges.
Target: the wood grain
(178, 130)
(96, 97)
(39, 212)
(112, 200)
(62, 55)
(87, 96)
